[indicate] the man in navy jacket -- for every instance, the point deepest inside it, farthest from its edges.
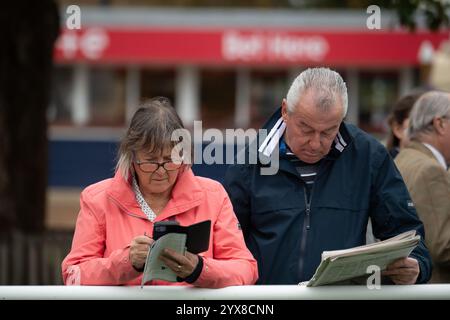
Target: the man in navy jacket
(331, 178)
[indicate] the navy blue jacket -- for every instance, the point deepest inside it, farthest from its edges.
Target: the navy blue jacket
(287, 233)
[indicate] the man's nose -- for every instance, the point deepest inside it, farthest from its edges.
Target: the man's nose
(314, 142)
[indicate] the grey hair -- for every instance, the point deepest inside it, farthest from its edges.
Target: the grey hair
(151, 130)
(429, 106)
(327, 83)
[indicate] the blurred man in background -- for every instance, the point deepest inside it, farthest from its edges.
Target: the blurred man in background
(423, 164)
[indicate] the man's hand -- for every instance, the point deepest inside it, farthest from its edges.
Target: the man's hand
(183, 266)
(403, 271)
(139, 250)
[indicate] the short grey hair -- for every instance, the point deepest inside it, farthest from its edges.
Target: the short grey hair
(328, 84)
(151, 130)
(429, 106)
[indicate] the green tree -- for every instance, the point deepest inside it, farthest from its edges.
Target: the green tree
(435, 11)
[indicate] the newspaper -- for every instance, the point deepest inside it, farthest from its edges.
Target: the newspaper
(154, 267)
(340, 265)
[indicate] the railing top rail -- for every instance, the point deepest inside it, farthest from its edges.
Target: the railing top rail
(275, 292)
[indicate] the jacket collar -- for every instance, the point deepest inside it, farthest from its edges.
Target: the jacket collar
(425, 149)
(276, 127)
(186, 194)
(437, 154)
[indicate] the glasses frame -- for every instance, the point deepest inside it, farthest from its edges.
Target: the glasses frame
(160, 164)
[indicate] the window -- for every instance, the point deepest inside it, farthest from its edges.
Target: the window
(377, 92)
(158, 83)
(217, 98)
(268, 88)
(107, 97)
(60, 109)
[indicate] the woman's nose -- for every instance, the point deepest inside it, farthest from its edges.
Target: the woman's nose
(160, 171)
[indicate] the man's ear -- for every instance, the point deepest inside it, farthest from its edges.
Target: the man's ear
(438, 124)
(284, 109)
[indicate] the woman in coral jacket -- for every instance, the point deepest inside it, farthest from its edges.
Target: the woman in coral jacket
(115, 224)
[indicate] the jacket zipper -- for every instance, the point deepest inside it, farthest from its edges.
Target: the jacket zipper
(126, 211)
(306, 227)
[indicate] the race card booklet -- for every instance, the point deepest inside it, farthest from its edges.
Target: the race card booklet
(169, 234)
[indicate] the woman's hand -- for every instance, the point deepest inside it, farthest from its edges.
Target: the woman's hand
(139, 250)
(182, 265)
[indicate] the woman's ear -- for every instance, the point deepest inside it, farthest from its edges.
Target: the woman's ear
(398, 130)
(132, 171)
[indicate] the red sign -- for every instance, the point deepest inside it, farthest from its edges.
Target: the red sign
(244, 46)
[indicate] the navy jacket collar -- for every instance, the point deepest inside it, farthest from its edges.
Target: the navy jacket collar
(275, 128)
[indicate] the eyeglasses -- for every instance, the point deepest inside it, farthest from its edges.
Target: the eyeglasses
(149, 167)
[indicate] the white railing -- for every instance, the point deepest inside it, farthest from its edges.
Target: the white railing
(279, 292)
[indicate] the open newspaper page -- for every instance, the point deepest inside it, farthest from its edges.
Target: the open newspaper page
(340, 265)
(154, 267)
(364, 248)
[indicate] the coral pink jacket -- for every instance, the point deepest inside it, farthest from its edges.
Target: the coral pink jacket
(110, 218)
